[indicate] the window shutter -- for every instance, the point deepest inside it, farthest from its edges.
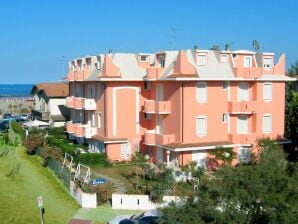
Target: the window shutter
(201, 126)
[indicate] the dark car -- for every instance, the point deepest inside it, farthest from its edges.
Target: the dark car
(143, 220)
(4, 126)
(7, 116)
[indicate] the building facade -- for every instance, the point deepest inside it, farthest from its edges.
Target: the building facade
(49, 103)
(176, 106)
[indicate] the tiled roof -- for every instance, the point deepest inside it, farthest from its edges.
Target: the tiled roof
(57, 89)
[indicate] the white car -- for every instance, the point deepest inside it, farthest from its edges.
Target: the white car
(139, 216)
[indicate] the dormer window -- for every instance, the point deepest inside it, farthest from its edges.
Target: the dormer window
(88, 61)
(144, 58)
(72, 66)
(202, 59)
(267, 63)
(224, 58)
(247, 62)
(80, 64)
(161, 60)
(98, 63)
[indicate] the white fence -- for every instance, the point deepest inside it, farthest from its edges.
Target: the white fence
(84, 199)
(139, 202)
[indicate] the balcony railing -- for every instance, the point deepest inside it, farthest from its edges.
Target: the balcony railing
(89, 104)
(247, 73)
(89, 131)
(157, 107)
(70, 127)
(79, 130)
(78, 103)
(70, 102)
(151, 138)
(250, 138)
(242, 107)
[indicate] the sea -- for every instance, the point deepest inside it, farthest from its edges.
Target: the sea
(15, 90)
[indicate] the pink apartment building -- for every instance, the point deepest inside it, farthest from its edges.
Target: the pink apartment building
(176, 106)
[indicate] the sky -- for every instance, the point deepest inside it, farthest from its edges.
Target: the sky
(39, 37)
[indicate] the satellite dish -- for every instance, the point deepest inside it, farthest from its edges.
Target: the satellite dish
(255, 45)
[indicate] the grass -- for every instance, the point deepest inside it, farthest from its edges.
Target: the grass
(19, 194)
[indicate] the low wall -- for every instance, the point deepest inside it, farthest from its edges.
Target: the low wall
(139, 202)
(84, 199)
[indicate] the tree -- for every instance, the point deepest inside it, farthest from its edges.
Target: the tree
(291, 114)
(265, 192)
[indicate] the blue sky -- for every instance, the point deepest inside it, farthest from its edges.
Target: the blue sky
(38, 37)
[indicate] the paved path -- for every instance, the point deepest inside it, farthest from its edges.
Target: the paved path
(79, 221)
(118, 185)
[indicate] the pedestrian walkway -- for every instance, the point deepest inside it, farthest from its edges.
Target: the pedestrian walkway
(118, 185)
(79, 221)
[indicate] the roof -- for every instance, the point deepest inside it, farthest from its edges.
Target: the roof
(57, 89)
(179, 145)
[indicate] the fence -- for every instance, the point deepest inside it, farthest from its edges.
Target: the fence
(139, 202)
(63, 174)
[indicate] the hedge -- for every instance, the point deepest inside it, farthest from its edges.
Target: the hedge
(92, 158)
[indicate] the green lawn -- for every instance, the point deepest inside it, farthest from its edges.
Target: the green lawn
(19, 195)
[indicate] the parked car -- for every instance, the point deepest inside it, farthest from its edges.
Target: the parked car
(24, 117)
(4, 125)
(141, 218)
(7, 116)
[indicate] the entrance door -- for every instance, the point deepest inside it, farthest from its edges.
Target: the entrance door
(159, 155)
(200, 157)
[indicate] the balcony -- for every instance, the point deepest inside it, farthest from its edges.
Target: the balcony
(89, 131)
(243, 138)
(157, 107)
(71, 76)
(89, 104)
(245, 107)
(81, 75)
(78, 103)
(154, 73)
(151, 138)
(79, 130)
(70, 102)
(70, 127)
(247, 73)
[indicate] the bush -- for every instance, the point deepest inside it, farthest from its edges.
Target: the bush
(17, 128)
(92, 159)
(63, 144)
(60, 131)
(53, 152)
(32, 142)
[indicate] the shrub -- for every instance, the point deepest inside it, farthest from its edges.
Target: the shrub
(32, 142)
(60, 131)
(63, 144)
(92, 159)
(53, 152)
(17, 128)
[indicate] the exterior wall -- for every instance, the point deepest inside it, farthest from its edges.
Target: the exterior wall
(54, 104)
(139, 202)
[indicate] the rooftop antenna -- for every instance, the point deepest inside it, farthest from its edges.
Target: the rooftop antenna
(255, 45)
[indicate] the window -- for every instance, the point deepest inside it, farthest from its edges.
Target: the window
(161, 60)
(244, 154)
(144, 58)
(202, 59)
(243, 93)
(234, 55)
(267, 63)
(201, 124)
(247, 61)
(99, 120)
(125, 151)
(88, 62)
(224, 58)
(147, 116)
(224, 118)
(98, 63)
(242, 124)
(201, 92)
(267, 91)
(147, 85)
(267, 123)
(225, 85)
